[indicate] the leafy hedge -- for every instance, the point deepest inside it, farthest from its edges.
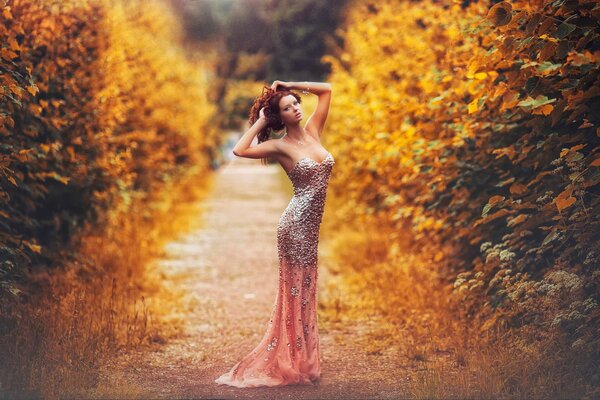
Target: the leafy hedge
(98, 106)
(474, 131)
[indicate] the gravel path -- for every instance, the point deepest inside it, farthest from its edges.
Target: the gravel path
(229, 273)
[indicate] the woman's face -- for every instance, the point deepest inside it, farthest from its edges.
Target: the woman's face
(290, 110)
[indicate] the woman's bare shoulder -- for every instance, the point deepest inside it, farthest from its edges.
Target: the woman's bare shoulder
(282, 149)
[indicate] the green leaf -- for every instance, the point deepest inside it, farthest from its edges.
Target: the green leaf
(564, 29)
(548, 66)
(551, 236)
(537, 102)
(63, 179)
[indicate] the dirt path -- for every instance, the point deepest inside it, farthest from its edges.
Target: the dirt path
(228, 270)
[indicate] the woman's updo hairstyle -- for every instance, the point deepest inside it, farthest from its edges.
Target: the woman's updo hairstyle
(270, 100)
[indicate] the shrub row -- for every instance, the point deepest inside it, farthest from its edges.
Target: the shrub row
(472, 129)
(98, 106)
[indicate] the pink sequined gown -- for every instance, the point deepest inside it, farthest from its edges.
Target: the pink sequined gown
(289, 351)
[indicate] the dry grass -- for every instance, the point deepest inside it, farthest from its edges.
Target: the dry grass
(505, 372)
(373, 275)
(100, 299)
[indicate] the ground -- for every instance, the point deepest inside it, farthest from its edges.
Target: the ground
(228, 271)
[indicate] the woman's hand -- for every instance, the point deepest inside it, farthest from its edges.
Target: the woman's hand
(261, 114)
(279, 83)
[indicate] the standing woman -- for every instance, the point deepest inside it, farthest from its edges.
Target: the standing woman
(289, 351)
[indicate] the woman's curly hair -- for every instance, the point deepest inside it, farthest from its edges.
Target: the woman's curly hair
(270, 100)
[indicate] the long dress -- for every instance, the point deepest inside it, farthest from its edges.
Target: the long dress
(289, 351)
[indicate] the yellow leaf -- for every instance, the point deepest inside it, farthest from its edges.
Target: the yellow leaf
(481, 75)
(517, 220)
(561, 203)
(500, 90)
(12, 180)
(509, 100)
(565, 199)
(63, 179)
(8, 54)
(518, 188)
(6, 13)
(34, 247)
(473, 106)
(474, 87)
(33, 90)
(549, 38)
(473, 66)
(546, 109)
(495, 199)
(14, 45)
(578, 147)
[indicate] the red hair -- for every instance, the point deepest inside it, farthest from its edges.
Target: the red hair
(269, 99)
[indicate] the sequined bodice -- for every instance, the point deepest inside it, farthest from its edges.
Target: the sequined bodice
(298, 229)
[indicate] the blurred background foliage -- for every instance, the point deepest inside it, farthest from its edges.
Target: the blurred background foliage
(258, 40)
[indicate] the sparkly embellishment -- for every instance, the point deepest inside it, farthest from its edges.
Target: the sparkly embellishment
(304, 302)
(294, 291)
(307, 280)
(298, 342)
(305, 329)
(298, 228)
(272, 345)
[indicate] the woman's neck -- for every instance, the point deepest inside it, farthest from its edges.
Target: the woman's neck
(295, 132)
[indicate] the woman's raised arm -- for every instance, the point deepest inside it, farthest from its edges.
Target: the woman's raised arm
(242, 147)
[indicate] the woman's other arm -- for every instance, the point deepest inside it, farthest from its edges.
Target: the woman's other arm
(262, 150)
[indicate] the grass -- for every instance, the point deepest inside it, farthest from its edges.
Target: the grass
(101, 300)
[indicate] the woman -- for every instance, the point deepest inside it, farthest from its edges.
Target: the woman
(289, 351)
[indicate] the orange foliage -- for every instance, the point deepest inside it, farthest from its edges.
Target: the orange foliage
(98, 106)
(473, 128)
